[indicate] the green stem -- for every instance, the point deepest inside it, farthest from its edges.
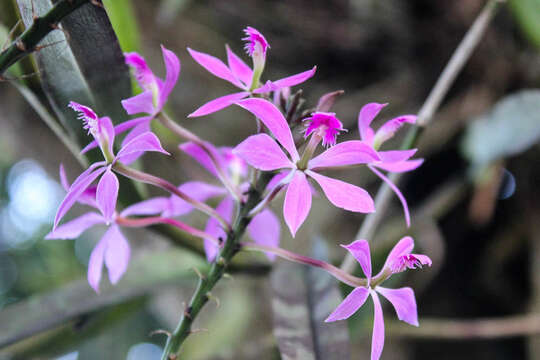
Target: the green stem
(27, 42)
(218, 268)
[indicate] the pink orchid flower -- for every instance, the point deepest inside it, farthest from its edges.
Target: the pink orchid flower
(263, 153)
(113, 248)
(264, 228)
(107, 187)
(402, 299)
(150, 102)
(392, 160)
(238, 73)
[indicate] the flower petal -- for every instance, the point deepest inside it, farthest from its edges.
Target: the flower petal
(218, 104)
(365, 117)
(360, 250)
(344, 195)
(352, 152)
(88, 197)
(389, 128)
(403, 301)
(272, 118)
(392, 156)
(76, 189)
(201, 156)
(215, 66)
(398, 194)
(74, 228)
(144, 75)
(403, 247)
(95, 264)
(142, 128)
(197, 190)
(377, 339)
(265, 229)
(239, 67)
(297, 202)
(262, 152)
(286, 82)
(401, 166)
(225, 209)
(172, 66)
(151, 206)
(117, 253)
(107, 194)
(147, 141)
(349, 305)
(140, 103)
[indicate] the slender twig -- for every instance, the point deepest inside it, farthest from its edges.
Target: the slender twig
(508, 326)
(27, 42)
(428, 109)
(206, 284)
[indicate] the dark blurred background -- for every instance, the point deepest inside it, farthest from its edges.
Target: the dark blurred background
(476, 216)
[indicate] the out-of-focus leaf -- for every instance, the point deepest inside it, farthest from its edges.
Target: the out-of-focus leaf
(527, 14)
(302, 298)
(97, 51)
(123, 20)
(45, 312)
(510, 128)
(60, 76)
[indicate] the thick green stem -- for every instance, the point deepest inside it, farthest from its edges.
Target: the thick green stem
(218, 268)
(27, 42)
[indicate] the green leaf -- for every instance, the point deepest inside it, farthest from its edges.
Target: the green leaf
(44, 312)
(512, 127)
(302, 298)
(124, 23)
(527, 14)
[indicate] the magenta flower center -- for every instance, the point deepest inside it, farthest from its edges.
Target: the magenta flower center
(255, 42)
(324, 125)
(89, 118)
(404, 262)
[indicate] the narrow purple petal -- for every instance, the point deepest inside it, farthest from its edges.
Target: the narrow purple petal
(151, 206)
(88, 197)
(145, 142)
(218, 104)
(63, 178)
(225, 209)
(142, 128)
(403, 247)
(126, 125)
(215, 66)
(352, 152)
(262, 152)
(144, 75)
(297, 202)
(272, 118)
(197, 190)
(201, 156)
(74, 228)
(76, 189)
(360, 250)
(107, 194)
(277, 179)
(141, 103)
(89, 147)
(392, 156)
(172, 66)
(95, 264)
(377, 339)
(117, 253)
(389, 128)
(108, 130)
(265, 229)
(365, 117)
(398, 194)
(403, 301)
(286, 82)
(349, 305)
(239, 67)
(401, 166)
(344, 195)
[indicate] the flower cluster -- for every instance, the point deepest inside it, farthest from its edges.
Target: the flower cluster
(295, 164)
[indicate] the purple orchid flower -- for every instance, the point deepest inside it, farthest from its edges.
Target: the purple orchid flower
(399, 259)
(241, 75)
(151, 101)
(264, 228)
(263, 153)
(392, 160)
(113, 248)
(107, 187)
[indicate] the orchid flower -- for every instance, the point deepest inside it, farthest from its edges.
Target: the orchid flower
(107, 187)
(264, 227)
(113, 248)
(400, 259)
(238, 73)
(151, 101)
(263, 153)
